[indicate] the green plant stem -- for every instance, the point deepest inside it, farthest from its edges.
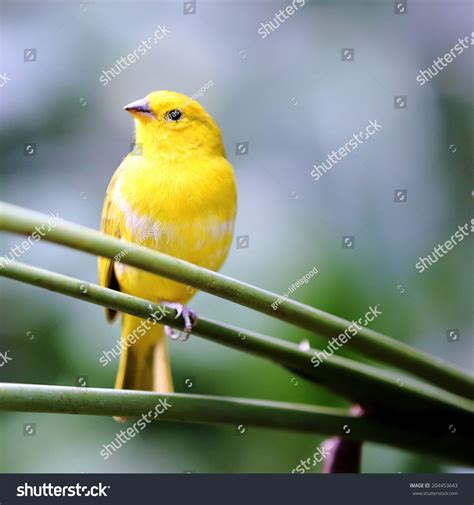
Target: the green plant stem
(357, 382)
(377, 346)
(236, 411)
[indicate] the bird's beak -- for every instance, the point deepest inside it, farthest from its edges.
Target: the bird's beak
(139, 108)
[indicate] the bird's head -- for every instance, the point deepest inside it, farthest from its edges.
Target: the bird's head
(167, 121)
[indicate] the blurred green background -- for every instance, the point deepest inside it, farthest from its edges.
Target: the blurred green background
(293, 99)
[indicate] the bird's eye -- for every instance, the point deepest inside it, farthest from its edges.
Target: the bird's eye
(173, 115)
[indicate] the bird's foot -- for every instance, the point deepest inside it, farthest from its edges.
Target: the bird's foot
(189, 316)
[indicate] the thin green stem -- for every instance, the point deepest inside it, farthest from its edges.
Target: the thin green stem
(357, 382)
(373, 344)
(236, 411)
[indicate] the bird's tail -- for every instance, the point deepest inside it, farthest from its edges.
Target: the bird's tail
(144, 361)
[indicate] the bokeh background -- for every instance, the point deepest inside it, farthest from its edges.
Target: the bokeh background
(293, 100)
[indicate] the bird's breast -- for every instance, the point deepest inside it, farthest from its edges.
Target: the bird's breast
(191, 218)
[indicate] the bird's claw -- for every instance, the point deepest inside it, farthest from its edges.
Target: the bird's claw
(190, 318)
(172, 334)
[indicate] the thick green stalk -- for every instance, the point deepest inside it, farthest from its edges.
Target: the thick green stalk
(357, 382)
(373, 344)
(237, 411)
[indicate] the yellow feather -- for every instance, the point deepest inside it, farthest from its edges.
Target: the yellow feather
(178, 197)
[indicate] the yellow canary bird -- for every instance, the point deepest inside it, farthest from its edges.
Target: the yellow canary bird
(174, 193)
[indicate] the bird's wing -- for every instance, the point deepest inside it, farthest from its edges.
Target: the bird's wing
(110, 224)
